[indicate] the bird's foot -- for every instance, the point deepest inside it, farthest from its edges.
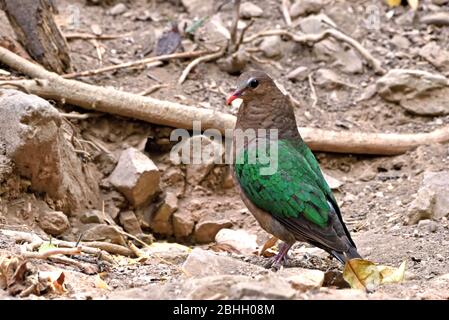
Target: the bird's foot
(278, 261)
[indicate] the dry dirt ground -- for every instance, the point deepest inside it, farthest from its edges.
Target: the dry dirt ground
(376, 191)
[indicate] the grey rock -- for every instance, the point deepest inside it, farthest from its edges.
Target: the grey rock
(53, 222)
(419, 92)
(436, 55)
(432, 200)
(217, 264)
(249, 10)
(118, 9)
(129, 222)
(328, 79)
(271, 46)
(136, 176)
(302, 279)
(400, 42)
(198, 8)
(183, 224)
(208, 226)
(303, 7)
(92, 216)
(102, 232)
(298, 74)
(427, 226)
(314, 24)
(32, 137)
(266, 288)
(161, 220)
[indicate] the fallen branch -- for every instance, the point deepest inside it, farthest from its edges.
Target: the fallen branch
(137, 63)
(303, 38)
(182, 116)
(197, 61)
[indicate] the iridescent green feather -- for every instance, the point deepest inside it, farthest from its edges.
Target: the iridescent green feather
(296, 188)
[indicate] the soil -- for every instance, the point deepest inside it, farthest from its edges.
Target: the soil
(376, 191)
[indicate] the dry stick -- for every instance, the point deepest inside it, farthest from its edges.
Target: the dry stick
(312, 89)
(285, 12)
(51, 252)
(88, 36)
(152, 89)
(302, 38)
(197, 61)
(182, 116)
(181, 55)
(79, 116)
(235, 21)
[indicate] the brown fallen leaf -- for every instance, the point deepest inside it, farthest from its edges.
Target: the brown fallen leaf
(52, 280)
(412, 3)
(362, 274)
(268, 245)
(366, 275)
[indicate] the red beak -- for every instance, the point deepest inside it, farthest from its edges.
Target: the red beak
(232, 97)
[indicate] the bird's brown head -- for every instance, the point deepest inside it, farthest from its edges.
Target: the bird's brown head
(250, 85)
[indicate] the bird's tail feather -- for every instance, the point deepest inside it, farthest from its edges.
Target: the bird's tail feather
(347, 255)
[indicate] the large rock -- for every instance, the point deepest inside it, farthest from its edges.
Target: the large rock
(129, 222)
(432, 200)
(54, 222)
(271, 46)
(208, 226)
(183, 223)
(302, 7)
(302, 279)
(102, 232)
(249, 10)
(417, 91)
(136, 176)
(436, 55)
(161, 220)
(268, 287)
(240, 240)
(198, 8)
(201, 263)
(32, 137)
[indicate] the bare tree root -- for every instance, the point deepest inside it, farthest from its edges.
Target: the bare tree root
(52, 86)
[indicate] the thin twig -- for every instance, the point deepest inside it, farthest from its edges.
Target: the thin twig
(275, 64)
(285, 12)
(131, 64)
(235, 22)
(303, 38)
(85, 267)
(51, 252)
(242, 34)
(313, 91)
(79, 116)
(152, 89)
(197, 61)
(88, 36)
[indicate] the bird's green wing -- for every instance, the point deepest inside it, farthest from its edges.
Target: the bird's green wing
(296, 187)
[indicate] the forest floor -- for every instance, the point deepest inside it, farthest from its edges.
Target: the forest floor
(376, 192)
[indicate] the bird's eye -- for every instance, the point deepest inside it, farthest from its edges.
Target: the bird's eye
(253, 83)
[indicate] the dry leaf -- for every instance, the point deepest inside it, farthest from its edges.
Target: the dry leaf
(362, 274)
(412, 3)
(268, 245)
(100, 283)
(54, 280)
(392, 275)
(366, 275)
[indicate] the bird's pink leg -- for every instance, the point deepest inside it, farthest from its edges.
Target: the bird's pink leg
(278, 260)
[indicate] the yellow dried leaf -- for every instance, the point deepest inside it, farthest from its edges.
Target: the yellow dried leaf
(393, 3)
(413, 4)
(362, 274)
(53, 279)
(392, 275)
(46, 246)
(100, 283)
(269, 244)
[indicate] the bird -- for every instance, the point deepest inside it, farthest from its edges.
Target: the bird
(293, 202)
